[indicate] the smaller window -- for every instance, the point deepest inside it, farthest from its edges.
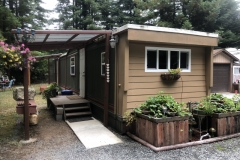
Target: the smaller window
(103, 63)
(236, 70)
(72, 66)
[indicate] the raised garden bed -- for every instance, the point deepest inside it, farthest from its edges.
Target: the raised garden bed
(226, 123)
(161, 131)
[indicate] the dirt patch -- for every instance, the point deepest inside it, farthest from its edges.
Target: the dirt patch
(49, 133)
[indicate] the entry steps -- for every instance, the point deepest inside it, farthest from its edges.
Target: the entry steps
(77, 110)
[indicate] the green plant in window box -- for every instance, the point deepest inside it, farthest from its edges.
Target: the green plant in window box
(174, 71)
(173, 74)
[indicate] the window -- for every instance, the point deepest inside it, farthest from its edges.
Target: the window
(162, 59)
(103, 63)
(236, 70)
(72, 66)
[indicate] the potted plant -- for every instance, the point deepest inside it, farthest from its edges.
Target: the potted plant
(50, 92)
(173, 74)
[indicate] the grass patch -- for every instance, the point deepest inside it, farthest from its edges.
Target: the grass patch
(219, 147)
(11, 130)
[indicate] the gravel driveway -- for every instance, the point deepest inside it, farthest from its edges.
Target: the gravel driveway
(56, 141)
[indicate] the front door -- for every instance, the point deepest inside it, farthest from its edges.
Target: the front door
(82, 73)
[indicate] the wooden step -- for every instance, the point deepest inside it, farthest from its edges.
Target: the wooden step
(78, 114)
(77, 108)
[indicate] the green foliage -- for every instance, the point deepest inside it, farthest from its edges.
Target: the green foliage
(159, 106)
(174, 71)
(51, 90)
(216, 103)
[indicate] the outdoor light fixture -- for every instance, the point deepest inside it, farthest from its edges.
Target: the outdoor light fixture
(113, 41)
(25, 35)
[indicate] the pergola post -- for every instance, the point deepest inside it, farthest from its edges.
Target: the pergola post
(26, 101)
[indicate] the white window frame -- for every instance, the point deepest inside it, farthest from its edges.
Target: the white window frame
(72, 65)
(103, 63)
(168, 50)
(234, 67)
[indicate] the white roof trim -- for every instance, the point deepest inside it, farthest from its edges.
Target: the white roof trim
(164, 29)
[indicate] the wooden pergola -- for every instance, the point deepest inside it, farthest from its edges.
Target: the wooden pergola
(59, 40)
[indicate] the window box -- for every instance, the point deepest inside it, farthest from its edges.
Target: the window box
(170, 77)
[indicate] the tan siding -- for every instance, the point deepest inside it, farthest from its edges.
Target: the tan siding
(166, 84)
(120, 57)
(154, 91)
(191, 85)
(176, 95)
(221, 58)
(180, 97)
(170, 38)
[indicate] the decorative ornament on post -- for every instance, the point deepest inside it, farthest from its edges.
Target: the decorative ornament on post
(113, 41)
(25, 36)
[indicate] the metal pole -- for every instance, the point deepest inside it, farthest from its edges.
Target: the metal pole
(26, 101)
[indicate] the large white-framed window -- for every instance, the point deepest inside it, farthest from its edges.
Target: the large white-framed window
(159, 59)
(103, 67)
(72, 66)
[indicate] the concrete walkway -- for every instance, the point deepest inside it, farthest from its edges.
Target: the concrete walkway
(93, 134)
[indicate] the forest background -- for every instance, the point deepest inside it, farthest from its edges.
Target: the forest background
(214, 16)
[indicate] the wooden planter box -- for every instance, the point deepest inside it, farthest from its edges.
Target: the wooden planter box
(226, 123)
(162, 131)
(32, 107)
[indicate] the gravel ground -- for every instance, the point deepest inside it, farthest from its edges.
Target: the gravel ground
(56, 141)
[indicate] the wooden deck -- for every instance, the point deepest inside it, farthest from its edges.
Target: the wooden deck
(63, 100)
(60, 102)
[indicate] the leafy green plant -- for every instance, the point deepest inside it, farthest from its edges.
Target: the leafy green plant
(174, 71)
(51, 90)
(216, 103)
(159, 106)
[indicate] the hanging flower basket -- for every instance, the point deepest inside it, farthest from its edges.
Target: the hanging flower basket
(170, 77)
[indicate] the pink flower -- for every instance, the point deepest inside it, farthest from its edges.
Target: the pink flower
(23, 52)
(27, 50)
(13, 48)
(1, 43)
(23, 45)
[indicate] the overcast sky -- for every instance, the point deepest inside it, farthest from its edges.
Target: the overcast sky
(50, 5)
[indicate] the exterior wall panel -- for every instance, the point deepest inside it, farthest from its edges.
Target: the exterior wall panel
(170, 38)
(62, 73)
(94, 80)
(144, 84)
(72, 82)
(222, 58)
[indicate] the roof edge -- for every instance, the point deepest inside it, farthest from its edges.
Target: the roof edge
(226, 52)
(164, 29)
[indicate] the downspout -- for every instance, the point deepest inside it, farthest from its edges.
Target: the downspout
(106, 84)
